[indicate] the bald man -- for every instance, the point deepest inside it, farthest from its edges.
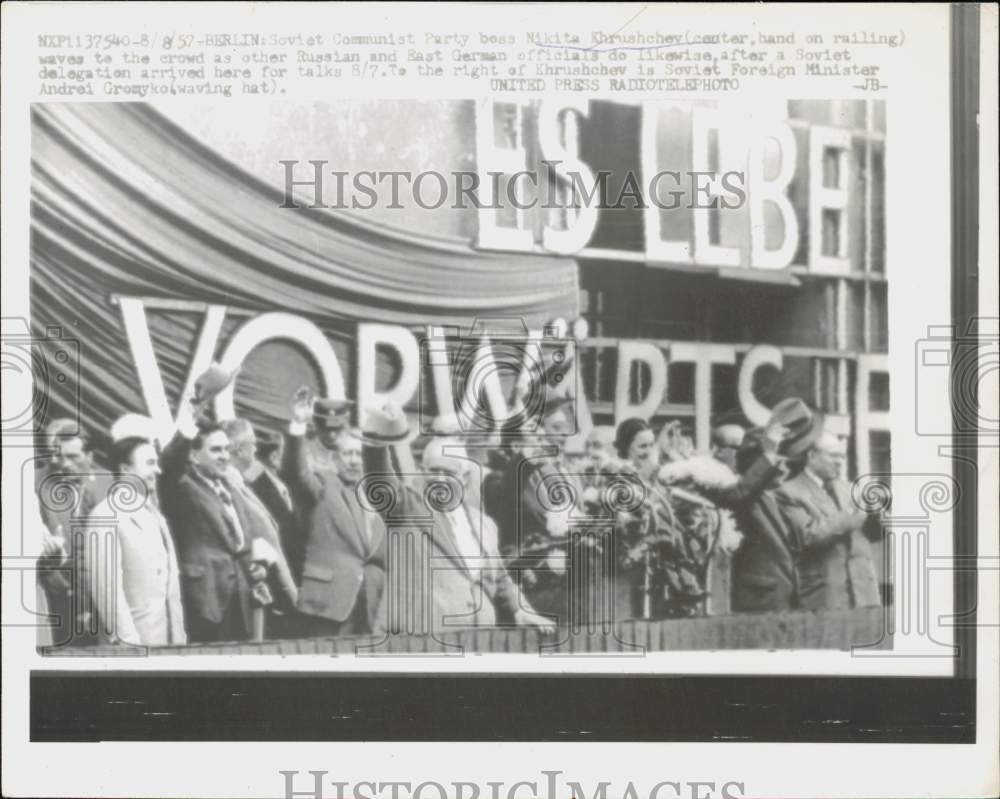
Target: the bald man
(726, 442)
(829, 534)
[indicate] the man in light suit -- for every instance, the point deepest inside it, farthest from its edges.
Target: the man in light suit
(469, 585)
(834, 563)
(130, 563)
(343, 571)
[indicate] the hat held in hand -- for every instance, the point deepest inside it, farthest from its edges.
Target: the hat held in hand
(804, 425)
(386, 425)
(212, 381)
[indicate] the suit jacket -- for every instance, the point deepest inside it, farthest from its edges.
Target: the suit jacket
(137, 591)
(60, 516)
(545, 484)
(835, 567)
(763, 568)
(264, 527)
(432, 585)
(213, 566)
(344, 546)
(289, 529)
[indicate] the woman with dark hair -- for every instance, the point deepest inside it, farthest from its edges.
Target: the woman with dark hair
(634, 442)
(649, 538)
(670, 537)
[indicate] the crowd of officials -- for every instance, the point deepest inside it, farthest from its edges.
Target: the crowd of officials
(231, 533)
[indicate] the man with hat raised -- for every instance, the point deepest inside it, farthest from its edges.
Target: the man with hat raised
(830, 534)
(763, 572)
(343, 570)
(221, 582)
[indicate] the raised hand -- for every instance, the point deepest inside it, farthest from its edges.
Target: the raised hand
(774, 434)
(301, 405)
(52, 546)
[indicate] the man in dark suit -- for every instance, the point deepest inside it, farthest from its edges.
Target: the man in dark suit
(213, 534)
(343, 571)
(764, 570)
(835, 566)
(266, 539)
(70, 475)
(264, 477)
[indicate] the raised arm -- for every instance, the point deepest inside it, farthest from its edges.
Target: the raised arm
(760, 474)
(298, 471)
(174, 456)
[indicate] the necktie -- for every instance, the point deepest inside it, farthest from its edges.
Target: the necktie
(229, 510)
(357, 512)
(282, 489)
(465, 539)
(828, 486)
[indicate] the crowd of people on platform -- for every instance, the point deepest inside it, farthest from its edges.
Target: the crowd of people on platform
(231, 533)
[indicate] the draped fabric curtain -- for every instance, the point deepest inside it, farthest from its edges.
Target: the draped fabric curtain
(124, 202)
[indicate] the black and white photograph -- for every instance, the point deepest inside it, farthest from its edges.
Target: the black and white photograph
(500, 401)
(400, 407)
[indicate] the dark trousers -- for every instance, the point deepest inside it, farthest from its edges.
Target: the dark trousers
(302, 625)
(72, 620)
(233, 626)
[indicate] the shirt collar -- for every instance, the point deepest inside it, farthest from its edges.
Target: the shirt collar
(814, 477)
(254, 470)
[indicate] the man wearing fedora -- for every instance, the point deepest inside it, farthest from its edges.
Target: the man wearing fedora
(831, 536)
(456, 578)
(343, 571)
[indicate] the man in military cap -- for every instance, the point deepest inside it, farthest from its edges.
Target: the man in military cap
(343, 571)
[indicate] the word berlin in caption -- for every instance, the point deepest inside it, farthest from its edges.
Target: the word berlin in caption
(523, 789)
